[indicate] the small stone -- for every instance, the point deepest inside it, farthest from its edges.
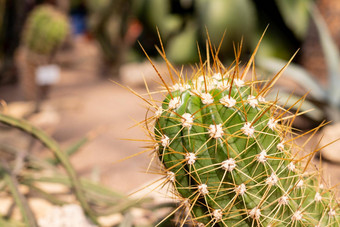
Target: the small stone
(69, 215)
(330, 143)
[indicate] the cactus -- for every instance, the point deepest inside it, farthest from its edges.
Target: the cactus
(229, 154)
(45, 30)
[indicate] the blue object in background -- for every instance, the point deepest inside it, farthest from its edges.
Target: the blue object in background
(78, 22)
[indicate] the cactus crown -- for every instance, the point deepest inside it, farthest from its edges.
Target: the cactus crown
(45, 30)
(229, 154)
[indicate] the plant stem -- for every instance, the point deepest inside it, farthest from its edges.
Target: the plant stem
(54, 147)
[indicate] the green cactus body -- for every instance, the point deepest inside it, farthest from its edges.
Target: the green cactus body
(226, 151)
(45, 30)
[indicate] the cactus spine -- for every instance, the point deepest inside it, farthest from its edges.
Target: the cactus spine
(230, 155)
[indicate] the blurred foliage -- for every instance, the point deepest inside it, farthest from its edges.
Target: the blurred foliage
(295, 15)
(108, 22)
(184, 23)
(20, 168)
(118, 24)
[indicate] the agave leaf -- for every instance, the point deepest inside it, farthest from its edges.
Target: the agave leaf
(295, 15)
(332, 57)
(296, 73)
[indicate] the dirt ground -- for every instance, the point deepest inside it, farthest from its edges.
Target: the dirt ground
(84, 102)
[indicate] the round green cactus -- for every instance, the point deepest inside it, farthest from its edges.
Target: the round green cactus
(45, 30)
(230, 155)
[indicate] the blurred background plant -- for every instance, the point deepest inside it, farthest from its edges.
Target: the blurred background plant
(324, 93)
(117, 25)
(320, 78)
(45, 31)
(27, 177)
(183, 24)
